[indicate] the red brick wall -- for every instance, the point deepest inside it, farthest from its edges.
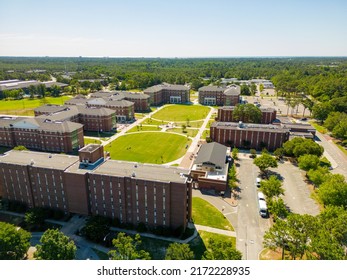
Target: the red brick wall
(76, 193)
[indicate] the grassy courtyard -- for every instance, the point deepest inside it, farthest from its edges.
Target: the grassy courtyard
(150, 147)
(141, 128)
(206, 214)
(178, 113)
(25, 107)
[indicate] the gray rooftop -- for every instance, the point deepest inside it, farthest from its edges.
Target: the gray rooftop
(142, 171)
(37, 159)
(164, 86)
(50, 108)
(212, 152)
(263, 109)
(249, 126)
(230, 90)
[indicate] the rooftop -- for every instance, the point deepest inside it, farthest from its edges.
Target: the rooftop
(37, 159)
(249, 126)
(142, 171)
(230, 90)
(165, 86)
(263, 109)
(212, 152)
(50, 108)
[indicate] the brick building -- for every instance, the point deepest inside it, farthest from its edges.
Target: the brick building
(210, 168)
(132, 193)
(124, 110)
(92, 118)
(249, 136)
(41, 134)
(225, 114)
(167, 93)
(220, 95)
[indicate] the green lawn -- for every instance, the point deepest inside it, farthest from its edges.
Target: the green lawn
(205, 134)
(25, 107)
(153, 122)
(144, 128)
(182, 113)
(318, 127)
(200, 243)
(150, 147)
(189, 132)
(91, 141)
(206, 214)
(209, 123)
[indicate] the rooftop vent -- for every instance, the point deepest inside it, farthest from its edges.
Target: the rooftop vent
(32, 162)
(241, 124)
(133, 174)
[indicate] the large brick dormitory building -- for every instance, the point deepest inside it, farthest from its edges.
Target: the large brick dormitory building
(91, 185)
(167, 93)
(220, 95)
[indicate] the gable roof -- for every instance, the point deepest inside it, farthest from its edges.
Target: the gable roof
(212, 152)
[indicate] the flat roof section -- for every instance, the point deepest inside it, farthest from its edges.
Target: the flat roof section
(37, 159)
(249, 126)
(142, 171)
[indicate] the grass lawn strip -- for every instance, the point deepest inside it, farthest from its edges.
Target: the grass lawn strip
(150, 147)
(182, 113)
(206, 214)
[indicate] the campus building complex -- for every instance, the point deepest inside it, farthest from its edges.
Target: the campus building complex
(210, 168)
(220, 95)
(41, 134)
(167, 93)
(91, 185)
(225, 114)
(92, 118)
(124, 110)
(249, 136)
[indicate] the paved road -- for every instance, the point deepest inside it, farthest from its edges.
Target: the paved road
(250, 226)
(334, 154)
(297, 194)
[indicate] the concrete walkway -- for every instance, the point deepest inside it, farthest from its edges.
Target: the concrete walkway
(216, 230)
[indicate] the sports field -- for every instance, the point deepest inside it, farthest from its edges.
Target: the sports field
(178, 113)
(149, 147)
(25, 107)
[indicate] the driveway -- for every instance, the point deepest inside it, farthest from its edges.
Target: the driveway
(297, 193)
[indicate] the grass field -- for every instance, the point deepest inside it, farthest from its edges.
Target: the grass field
(205, 134)
(91, 141)
(318, 127)
(182, 113)
(189, 132)
(153, 122)
(24, 107)
(206, 214)
(150, 147)
(144, 128)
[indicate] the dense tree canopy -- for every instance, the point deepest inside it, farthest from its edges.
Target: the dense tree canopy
(272, 187)
(334, 191)
(96, 228)
(127, 248)
(220, 250)
(178, 251)
(14, 242)
(265, 161)
(249, 113)
(300, 146)
(55, 245)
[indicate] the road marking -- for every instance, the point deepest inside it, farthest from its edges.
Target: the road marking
(228, 213)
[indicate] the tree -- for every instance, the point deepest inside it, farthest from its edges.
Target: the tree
(261, 88)
(334, 220)
(318, 176)
(14, 242)
(55, 91)
(271, 187)
(184, 127)
(247, 113)
(127, 248)
(279, 152)
(55, 245)
(277, 236)
(221, 250)
(96, 228)
(325, 247)
(264, 162)
(300, 146)
(245, 90)
(35, 217)
(20, 148)
(307, 162)
(278, 208)
(177, 251)
(234, 153)
(340, 130)
(333, 119)
(253, 153)
(334, 191)
(308, 104)
(320, 111)
(196, 84)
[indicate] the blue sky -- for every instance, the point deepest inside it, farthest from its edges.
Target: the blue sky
(189, 28)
